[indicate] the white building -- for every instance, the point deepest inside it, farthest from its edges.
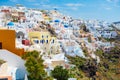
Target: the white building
(14, 65)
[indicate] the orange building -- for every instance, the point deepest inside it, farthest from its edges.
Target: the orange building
(7, 41)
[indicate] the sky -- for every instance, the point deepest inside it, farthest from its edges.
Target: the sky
(106, 10)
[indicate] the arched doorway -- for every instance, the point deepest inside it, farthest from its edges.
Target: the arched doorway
(19, 75)
(20, 34)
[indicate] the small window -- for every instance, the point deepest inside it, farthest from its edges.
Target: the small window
(47, 36)
(53, 41)
(43, 41)
(60, 45)
(0, 45)
(42, 36)
(36, 41)
(46, 41)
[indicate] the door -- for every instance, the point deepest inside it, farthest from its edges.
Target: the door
(0, 45)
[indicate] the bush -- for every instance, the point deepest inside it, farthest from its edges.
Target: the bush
(59, 73)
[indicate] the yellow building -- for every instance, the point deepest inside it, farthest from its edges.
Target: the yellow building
(37, 37)
(47, 18)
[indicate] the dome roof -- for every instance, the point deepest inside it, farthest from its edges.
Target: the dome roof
(66, 26)
(10, 24)
(57, 21)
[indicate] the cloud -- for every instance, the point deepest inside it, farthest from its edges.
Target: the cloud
(118, 6)
(74, 4)
(31, 0)
(51, 6)
(114, 1)
(74, 8)
(108, 8)
(13, 0)
(45, 5)
(41, 5)
(56, 7)
(36, 4)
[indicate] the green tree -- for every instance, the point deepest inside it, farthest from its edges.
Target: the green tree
(88, 66)
(74, 72)
(78, 61)
(49, 78)
(99, 53)
(89, 39)
(59, 73)
(34, 66)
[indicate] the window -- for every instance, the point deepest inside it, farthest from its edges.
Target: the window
(18, 37)
(36, 41)
(47, 36)
(43, 41)
(46, 41)
(0, 45)
(53, 41)
(42, 36)
(60, 45)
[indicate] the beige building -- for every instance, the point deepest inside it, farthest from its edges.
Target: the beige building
(37, 37)
(47, 43)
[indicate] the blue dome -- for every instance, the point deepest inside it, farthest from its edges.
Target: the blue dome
(57, 21)
(66, 26)
(55, 9)
(10, 24)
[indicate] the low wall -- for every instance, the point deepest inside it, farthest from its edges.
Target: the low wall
(6, 77)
